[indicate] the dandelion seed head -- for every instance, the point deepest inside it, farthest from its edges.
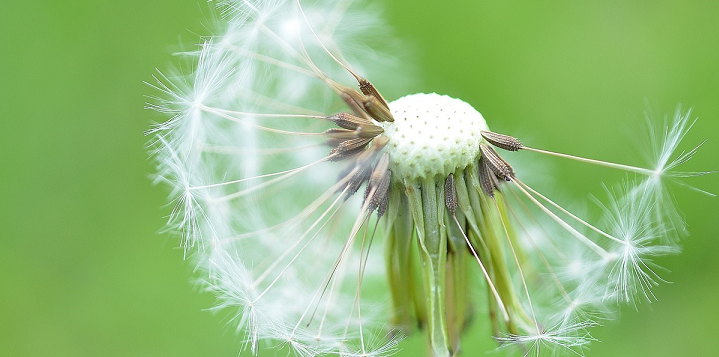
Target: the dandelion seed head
(432, 135)
(328, 220)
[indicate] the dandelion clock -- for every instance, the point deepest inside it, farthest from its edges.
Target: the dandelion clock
(328, 219)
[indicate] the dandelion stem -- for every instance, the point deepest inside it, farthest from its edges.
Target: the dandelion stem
(223, 114)
(230, 150)
(559, 285)
(286, 172)
(300, 239)
(262, 115)
(570, 213)
(505, 315)
(320, 41)
(276, 62)
(530, 214)
(640, 170)
(594, 246)
(519, 266)
(296, 255)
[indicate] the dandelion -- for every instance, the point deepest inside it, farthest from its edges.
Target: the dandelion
(329, 220)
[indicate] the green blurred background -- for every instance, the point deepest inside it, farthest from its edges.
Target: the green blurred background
(86, 274)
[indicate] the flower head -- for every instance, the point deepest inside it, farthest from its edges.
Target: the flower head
(289, 181)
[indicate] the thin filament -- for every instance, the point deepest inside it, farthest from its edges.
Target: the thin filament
(505, 315)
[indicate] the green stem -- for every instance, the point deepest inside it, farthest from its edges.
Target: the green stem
(432, 240)
(399, 264)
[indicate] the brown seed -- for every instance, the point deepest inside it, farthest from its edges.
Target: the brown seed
(379, 182)
(380, 169)
(352, 98)
(369, 105)
(384, 201)
(450, 194)
(369, 90)
(502, 141)
(370, 131)
(349, 148)
(357, 176)
(500, 167)
(487, 178)
(376, 109)
(360, 167)
(348, 121)
(380, 142)
(343, 134)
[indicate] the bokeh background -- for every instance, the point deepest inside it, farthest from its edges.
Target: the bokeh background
(85, 272)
